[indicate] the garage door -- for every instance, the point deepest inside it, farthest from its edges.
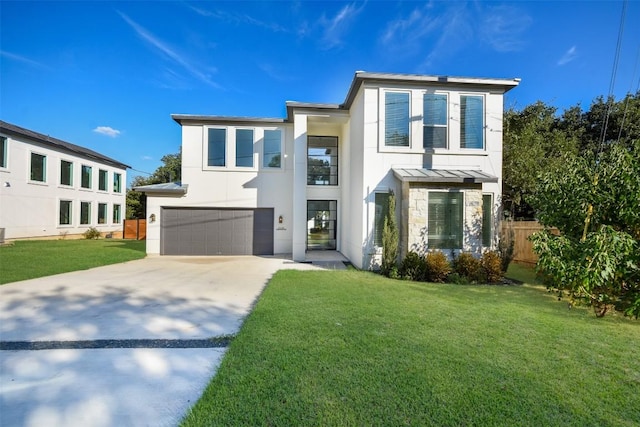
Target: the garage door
(200, 231)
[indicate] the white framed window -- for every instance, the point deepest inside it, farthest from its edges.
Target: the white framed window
(65, 212)
(117, 214)
(4, 152)
(103, 178)
(85, 176)
(272, 149)
(102, 213)
(472, 122)
(435, 120)
(66, 173)
(397, 119)
(445, 219)
(85, 213)
(38, 169)
(216, 147)
(117, 182)
(244, 148)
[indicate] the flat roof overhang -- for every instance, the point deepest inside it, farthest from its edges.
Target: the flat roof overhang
(455, 176)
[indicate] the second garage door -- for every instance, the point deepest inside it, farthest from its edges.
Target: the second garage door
(205, 231)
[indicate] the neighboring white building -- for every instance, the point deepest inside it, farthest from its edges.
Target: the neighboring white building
(50, 187)
(321, 177)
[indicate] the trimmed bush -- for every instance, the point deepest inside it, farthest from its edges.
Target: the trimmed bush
(492, 266)
(413, 267)
(438, 267)
(466, 265)
(92, 233)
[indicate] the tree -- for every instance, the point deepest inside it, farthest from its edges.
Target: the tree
(390, 240)
(594, 201)
(169, 171)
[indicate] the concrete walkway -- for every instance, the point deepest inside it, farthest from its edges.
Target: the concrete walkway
(184, 299)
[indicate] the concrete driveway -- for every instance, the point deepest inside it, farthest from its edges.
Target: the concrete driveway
(121, 345)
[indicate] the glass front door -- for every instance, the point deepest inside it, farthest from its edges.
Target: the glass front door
(321, 224)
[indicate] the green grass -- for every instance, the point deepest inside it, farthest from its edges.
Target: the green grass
(28, 259)
(354, 348)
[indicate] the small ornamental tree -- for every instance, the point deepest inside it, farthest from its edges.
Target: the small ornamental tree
(390, 240)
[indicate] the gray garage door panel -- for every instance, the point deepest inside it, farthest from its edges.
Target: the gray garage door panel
(196, 231)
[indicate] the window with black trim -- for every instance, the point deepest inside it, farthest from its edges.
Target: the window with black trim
(117, 214)
(322, 160)
(66, 173)
(65, 212)
(85, 176)
(85, 213)
(103, 177)
(4, 147)
(117, 182)
(38, 167)
(102, 213)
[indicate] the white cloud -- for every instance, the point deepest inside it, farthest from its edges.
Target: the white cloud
(168, 52)
(503, 28)
(334, 28)
(147, 158)
(237, 18)
(568, 56)
(106, 130)
(21, 58)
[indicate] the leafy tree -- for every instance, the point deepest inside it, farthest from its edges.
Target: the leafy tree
(390, 240)
(169, 171)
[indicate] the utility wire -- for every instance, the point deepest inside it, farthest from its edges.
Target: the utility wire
(626, 101)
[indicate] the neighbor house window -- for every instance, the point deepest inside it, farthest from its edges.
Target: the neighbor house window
(272, 157)
(244, 148)
(471, 121)
(38, 167)
(487, 219)
(103, 177)
(117, 182)
(216, 147)
(66, 173)
(102, 213)
(4, 147)
(445, 220)
(65, 212)
(117, 214)
(382, 208)
(322, 160)
(434, 121)
(396, 119)
(85, 213)
(85, 176)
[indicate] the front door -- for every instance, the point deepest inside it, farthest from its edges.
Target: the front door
(321, 224)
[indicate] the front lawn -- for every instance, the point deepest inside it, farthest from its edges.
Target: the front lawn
(355, 348)
(28, 259)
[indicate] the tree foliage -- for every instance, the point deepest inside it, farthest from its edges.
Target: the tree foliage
(390, 240)
(169, 171)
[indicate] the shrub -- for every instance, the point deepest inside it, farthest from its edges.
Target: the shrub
(413, 267)
(438, 267)
(466, 265)
(390, 240)
(92, 233)
(492, 266)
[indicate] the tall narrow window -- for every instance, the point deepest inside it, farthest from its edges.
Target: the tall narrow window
(322, 160)
(85, 213)
(382, 207)
(65, 212)
(321, 224)
(103, 177)
(396, 119)
(117, 182)
(471, 122)
(102, 213)
(4, 147)
(487, 219)
(445, 220)
(117, 214)
(434, 121)
(216, 147)
(38, 167)
(272, 147)
(244, 148)
(66, 173)
(85, 176)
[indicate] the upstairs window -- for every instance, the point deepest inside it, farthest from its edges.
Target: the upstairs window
(322, 160)
(103, 177)
(85, 176)
(396, 119)
(445, 220)
(117, 182)
(38, 167)
(434, 120)
(471, 122)
(216, 147)
(272, 147)
(244, 148)
(3, 151)
(66, 173)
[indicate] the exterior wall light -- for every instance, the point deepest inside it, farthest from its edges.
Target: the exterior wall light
(152, 218)
(280, 219)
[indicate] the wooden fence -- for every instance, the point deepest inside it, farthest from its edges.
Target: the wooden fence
(135, 229)
(523, 249)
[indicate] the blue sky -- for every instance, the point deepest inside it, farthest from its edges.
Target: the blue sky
(108, 75)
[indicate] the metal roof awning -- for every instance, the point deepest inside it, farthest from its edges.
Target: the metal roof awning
(173, 188)
(443, 175)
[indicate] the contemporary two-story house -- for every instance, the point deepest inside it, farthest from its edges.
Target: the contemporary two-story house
(320, 178)
(49, 187)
